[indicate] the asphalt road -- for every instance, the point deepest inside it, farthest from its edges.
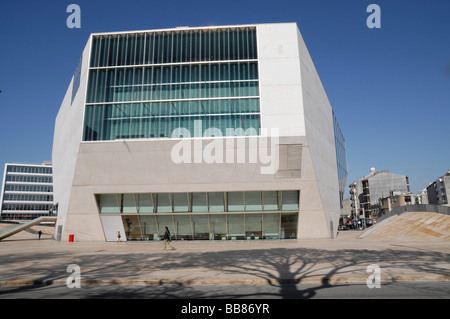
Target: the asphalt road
(391, 290)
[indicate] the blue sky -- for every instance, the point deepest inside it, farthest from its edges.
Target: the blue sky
(389, 87)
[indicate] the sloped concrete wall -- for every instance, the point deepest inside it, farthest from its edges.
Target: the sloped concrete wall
(414, 226)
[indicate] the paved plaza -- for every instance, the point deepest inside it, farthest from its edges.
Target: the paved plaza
(25, 260)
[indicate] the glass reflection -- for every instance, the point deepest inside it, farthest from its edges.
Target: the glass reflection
(162, 221)
(253, 226)
(200, 227)
(218, 226)
(149, 228)
(182, 227)
(132, 227)
(108, 204)
(289, 226)
(236, 226)
(271, 226)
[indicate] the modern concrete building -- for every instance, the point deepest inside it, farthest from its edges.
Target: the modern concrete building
(27, 192)
(439, 191)
(219, 133)
(367, 191)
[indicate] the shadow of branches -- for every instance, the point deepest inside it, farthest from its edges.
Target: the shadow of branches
(282, 268)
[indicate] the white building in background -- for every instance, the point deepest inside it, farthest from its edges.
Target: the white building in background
(27, 192)
(219, 133)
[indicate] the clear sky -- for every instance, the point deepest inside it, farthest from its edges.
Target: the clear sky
(389, 87)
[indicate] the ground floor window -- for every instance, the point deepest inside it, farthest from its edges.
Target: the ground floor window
(204, 202)
(252, 215)
(252, 226)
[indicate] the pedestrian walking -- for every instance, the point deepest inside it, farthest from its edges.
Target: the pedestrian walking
(118, 237)
(40, 234)
(167, 240)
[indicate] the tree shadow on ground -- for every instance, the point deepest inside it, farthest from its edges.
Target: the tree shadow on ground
(281, 268)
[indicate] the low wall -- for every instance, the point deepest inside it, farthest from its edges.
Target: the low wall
(416, 208)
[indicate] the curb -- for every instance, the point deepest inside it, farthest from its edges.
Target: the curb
(159, 282)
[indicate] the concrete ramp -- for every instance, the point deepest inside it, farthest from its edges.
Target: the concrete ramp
(22, 227)
(412, 226)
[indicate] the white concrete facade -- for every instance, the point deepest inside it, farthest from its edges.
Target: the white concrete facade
(292, 101)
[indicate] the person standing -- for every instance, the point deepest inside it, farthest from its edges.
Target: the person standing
(118, 237)
(167, 240)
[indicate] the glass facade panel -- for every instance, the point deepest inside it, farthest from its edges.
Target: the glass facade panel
(341, 157)
(289, 223)
(108, 204)
(149, 228)
(162, 221)
(199, 203)
(174, 47)
(182, 227)
(28, 179)
(200, 226)
(28, 169)
(289, 200)
(236, 226)
(271, 228)
(139, 69)
(132, 227)
(218, 226)
(180, 203)
(129, 204)
(151, 120)
(204, 216)
(216, 202)
(164, 203)
(235, 201)
(253, 226)
(270, 200)
(145, 203)
(253, 201)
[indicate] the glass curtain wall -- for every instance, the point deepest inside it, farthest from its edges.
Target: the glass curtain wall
(145, 85)
(341, 157)
(206, 216)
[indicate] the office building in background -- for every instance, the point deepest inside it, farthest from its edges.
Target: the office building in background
(27, 192)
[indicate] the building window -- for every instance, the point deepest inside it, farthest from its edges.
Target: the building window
(251, 215)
